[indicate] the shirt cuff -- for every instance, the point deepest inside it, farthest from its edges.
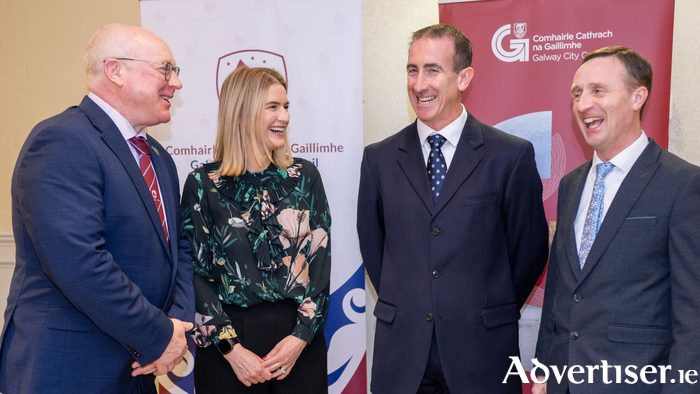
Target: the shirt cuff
(304, 333)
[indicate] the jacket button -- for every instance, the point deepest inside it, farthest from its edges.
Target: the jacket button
(577, 297)
(137, 355)
(436, 273)
(436, 231)
(429, 317)
(574, 335)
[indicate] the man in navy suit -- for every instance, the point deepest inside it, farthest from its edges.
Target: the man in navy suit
(624, 272)
(452, 233)
(101, 297)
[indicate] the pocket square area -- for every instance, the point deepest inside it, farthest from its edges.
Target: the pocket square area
(640, 221)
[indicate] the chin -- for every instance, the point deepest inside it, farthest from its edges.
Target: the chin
(273, 145)
(164, 119)
(425, 118)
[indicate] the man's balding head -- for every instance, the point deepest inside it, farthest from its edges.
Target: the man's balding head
(118, 41)
(132, 70)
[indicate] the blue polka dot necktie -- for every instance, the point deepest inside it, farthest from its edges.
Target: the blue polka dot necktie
(595, 212)
(437, 168)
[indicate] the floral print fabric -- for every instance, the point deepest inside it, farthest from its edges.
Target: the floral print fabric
(259, 237)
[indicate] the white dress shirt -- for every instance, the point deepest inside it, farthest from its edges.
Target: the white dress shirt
(623, 162)
(127, 132)
(451, 132)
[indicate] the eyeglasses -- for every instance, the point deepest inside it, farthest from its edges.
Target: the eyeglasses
(168, 68)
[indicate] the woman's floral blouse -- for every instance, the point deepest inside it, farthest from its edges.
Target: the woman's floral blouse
(259, 237)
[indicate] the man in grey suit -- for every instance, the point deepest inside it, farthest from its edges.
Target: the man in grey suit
(622, 298)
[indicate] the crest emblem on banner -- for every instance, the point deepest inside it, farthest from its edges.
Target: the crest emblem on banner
(520, 29)
(251, 58)
(520, 47)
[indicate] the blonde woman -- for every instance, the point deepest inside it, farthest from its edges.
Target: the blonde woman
(259, 225)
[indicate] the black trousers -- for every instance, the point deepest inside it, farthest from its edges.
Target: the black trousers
(260, 328)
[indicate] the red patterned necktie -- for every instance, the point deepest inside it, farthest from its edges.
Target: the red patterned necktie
(149, 174)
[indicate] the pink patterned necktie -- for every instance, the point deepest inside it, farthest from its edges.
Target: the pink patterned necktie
(149, 174)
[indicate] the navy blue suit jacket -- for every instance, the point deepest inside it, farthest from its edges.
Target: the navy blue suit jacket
(462, 267)
(635, 303)
(95, 280)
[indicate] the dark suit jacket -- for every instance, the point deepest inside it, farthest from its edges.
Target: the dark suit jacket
(463, 267)
(95, 280)
(637, 300)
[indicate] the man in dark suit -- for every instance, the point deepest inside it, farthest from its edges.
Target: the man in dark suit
(454, 263)
(622, 286)
(102, 289)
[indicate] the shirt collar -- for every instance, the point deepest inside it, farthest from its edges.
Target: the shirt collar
(451, 132)
(626, 159)
(122, 124)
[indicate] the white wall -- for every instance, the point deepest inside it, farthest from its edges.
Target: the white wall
(684, 131)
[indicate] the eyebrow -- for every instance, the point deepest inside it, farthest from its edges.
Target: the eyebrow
(426, 65)
(275, 102)
(592, 85)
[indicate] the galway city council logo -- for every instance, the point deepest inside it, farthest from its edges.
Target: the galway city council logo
(520, 47)
(250, 58)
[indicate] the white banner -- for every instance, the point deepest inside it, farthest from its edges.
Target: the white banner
(317, 46)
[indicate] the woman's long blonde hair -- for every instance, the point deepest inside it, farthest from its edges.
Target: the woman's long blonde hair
(241, 105)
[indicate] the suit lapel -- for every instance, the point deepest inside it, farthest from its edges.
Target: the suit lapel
(572, 209)
(115, 141)
(631, 188)
(412, 164)
(463, 163)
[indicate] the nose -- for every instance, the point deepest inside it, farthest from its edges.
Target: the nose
(175, 81)
(419, 82)
(283, 115)
(583, 103)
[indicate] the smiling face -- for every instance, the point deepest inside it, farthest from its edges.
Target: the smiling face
(275, 117)
(606, 110)
(145, 95)
(434, 89)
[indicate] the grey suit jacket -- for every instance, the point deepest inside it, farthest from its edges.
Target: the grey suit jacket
(637, 300)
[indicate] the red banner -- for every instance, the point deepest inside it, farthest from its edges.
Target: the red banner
(525, 56)
(542, 42)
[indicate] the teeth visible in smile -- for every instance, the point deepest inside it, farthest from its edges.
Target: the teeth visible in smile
(277, 129)
(592, 121)
(425, 100)
(165, 98)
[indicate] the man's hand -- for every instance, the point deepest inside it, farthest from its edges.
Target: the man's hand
(282, 358)
(172, 355)
(247, 366)
(539, 388)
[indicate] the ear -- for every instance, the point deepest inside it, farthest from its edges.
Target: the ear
(114, 71)
(639, 96)
(464, 78)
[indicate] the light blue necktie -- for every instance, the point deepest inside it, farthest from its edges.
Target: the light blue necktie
(595, 212)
